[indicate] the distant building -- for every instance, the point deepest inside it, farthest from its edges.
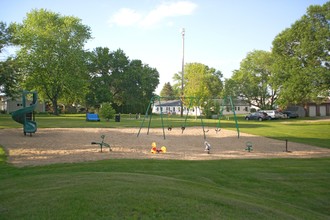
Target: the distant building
(174, 107)
(318, 109)
(8, 105)
(240, 107)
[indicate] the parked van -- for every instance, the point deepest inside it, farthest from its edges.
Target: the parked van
(272, 114)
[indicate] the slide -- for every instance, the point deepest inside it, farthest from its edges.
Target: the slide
(24, 117)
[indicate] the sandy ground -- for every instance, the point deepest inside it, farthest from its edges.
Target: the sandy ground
(68, 145)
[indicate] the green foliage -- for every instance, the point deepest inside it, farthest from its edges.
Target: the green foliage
(202, 82)
(52, 55)
(177, 78)
(3, 156)
(115, 78)
(302, 57)
(253, 82)
(168, 189)
(106, 111)
(8, 68)
(167, 92)
(9, 77)
(4, 36)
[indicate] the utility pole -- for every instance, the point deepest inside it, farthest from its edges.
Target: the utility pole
(182, 71)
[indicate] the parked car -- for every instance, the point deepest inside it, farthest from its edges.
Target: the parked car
(281, 115)
(260, 116)
(272, 114)
(291, 114)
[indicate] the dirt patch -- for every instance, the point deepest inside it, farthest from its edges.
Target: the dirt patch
(68, 145)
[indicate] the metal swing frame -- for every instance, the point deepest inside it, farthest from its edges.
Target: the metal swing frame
(158, 98)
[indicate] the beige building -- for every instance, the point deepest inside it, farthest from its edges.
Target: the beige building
(8, 105)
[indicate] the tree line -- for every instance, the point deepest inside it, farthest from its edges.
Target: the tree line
(295, 71)
(52, 61)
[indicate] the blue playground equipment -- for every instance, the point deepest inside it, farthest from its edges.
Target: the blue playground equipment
(92, 117)
(26, 115)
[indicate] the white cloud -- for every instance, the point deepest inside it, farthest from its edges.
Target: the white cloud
(125, 17)
(129, 17)
(166, 10)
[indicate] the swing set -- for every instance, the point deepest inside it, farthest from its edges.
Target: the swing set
(192, 100)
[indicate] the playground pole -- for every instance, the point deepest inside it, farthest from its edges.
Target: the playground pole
(182, 71)
(236, 124)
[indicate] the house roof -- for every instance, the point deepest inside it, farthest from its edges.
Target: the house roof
(170, 103)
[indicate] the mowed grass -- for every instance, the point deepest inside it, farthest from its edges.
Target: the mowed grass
(166, 189)
(169, 189)
(312, 131)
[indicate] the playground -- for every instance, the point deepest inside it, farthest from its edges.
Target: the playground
(69, 145)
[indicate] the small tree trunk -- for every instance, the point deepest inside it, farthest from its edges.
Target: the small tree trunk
(55, 106)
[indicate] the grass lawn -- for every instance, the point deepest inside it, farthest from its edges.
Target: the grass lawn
(169, 189)
(165, 189)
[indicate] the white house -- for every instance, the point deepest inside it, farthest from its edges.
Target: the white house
(240, 106)
(174, 107)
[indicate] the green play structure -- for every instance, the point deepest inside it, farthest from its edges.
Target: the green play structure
(25, 115)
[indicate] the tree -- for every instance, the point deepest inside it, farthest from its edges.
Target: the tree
(128, 84)
(99, 68)
(9, 78)
(167, 91)
(52, 56)
(106, 111)
(4, 36)
(253, 82)
(177, 78)
(202, 82)
(141, 81)
(302, 58)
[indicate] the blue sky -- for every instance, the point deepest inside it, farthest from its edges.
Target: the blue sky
(218, 33)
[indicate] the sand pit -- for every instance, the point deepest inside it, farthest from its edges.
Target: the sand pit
(69, 145)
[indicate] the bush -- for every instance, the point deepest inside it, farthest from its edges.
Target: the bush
(106, 111)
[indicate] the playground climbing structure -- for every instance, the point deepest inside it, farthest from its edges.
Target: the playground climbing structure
(25, 115)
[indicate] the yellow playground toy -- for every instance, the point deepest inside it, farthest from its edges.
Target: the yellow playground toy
(155, 150)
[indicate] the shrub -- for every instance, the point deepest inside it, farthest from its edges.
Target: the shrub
(106, 111)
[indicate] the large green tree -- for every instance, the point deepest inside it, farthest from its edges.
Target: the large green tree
(51, 55)
(128, 84)
(138, 85)
(254, 81)
(100, 62)
(302, 58)
(202, 82)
